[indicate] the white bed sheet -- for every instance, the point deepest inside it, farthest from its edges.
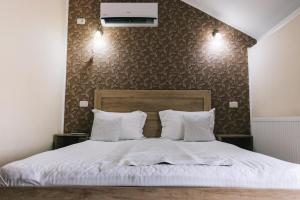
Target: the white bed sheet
(78, 165)
(152, 152)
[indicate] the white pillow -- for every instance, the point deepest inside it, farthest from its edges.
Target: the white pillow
(173, 126)
(106, 128)
(132, 124)
(198, 128)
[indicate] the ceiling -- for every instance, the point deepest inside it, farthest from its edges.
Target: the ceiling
(253, 17)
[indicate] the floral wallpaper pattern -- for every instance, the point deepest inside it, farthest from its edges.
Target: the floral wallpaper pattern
(179, 54)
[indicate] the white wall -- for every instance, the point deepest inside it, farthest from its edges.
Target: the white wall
(274, 65)
(33, 42)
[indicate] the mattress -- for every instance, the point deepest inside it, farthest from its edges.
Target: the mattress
(78, 165)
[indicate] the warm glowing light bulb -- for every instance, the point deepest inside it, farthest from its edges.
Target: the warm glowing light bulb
(99, 40)
(217, 43)
(218, 36)
(98, 35)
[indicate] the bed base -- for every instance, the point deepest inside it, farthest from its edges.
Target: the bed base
(145, 193)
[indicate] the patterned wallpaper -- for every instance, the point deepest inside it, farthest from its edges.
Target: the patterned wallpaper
(180, 54)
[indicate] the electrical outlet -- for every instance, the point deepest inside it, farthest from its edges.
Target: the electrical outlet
(83, 104)
(81, 21)
(233, 104)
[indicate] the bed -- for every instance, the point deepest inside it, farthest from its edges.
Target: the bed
(253, 175)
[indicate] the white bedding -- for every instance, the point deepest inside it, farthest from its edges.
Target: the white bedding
(80, 164)
(152, 152)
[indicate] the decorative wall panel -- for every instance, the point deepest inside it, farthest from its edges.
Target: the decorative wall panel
(179, 54)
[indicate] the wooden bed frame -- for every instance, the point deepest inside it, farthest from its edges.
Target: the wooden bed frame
(151, 102)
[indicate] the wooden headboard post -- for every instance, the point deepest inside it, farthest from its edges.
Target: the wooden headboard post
(151, 102)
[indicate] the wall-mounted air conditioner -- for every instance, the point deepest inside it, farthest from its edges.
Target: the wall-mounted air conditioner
(129, 14)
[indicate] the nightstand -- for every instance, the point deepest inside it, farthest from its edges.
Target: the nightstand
(242, 141)
(63, 140)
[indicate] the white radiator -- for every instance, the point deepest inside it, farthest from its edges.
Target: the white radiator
(277, 137)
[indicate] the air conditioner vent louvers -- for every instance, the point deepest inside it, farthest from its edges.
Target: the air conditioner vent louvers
(129, 14)
(128, 20)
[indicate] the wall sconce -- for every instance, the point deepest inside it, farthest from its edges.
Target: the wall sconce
(99, 41)
(99, 38)
(99, 34)
(217, 43)
(216, 34)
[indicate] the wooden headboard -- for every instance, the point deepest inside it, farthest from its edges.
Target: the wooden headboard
(151, 102)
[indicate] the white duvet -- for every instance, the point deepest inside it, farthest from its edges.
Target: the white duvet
(152, 152)
(136, 163)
